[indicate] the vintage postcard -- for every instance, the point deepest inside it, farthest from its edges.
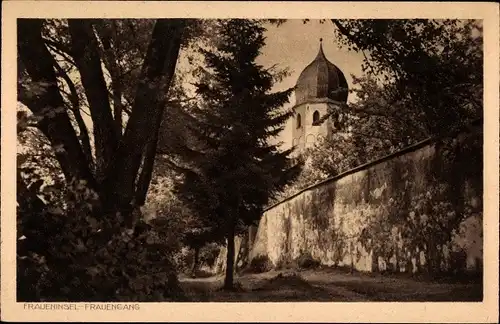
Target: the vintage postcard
(250, 161)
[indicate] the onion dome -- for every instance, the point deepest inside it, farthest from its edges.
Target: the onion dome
(321, 79)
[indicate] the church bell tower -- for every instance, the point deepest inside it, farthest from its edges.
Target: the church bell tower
(319, 85)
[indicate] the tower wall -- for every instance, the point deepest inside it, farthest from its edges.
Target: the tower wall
(308, 134)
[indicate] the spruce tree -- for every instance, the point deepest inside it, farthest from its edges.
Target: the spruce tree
(231, 168)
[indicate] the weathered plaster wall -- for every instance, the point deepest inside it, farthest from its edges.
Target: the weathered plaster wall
(362, 218)
(220, 263)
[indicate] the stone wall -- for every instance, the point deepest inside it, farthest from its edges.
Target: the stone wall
(419, 209)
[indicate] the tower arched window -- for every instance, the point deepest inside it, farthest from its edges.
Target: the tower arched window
(299, 121)
(315, 118)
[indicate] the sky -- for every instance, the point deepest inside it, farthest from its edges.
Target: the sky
(294, 45)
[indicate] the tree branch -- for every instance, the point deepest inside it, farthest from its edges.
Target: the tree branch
(86, 54)
(343, 30)
(156, 76)
(148, 163)
(75, 102)
(147, 167)
(105, 33)
(39, 65)
(59, 49)
(178, 101)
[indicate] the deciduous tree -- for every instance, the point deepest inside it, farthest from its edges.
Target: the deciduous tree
(119, 73)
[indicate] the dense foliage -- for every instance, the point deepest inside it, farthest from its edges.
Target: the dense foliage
(88, 133)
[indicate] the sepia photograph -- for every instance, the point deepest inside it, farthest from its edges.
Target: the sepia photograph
(247, 160)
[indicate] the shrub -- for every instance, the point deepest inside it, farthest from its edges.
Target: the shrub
(77, 257)
(285, 263)
(184, 260)
(209, 254)
(207, 257)
(306, 261)
(303, 261)
(260, 264)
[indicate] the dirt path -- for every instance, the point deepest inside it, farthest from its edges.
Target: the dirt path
(326, 285)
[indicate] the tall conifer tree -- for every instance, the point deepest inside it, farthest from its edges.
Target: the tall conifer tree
(231, 168)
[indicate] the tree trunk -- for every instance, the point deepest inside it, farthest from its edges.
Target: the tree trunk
(351, 252)
(107, 33)
(396, 257)
(228, 280)
(155, 79)
(417, 269)
(146, 173)
(196, 261)
(85, 52)
(431, 257)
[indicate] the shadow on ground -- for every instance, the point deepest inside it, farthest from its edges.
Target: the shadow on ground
(328, 285)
